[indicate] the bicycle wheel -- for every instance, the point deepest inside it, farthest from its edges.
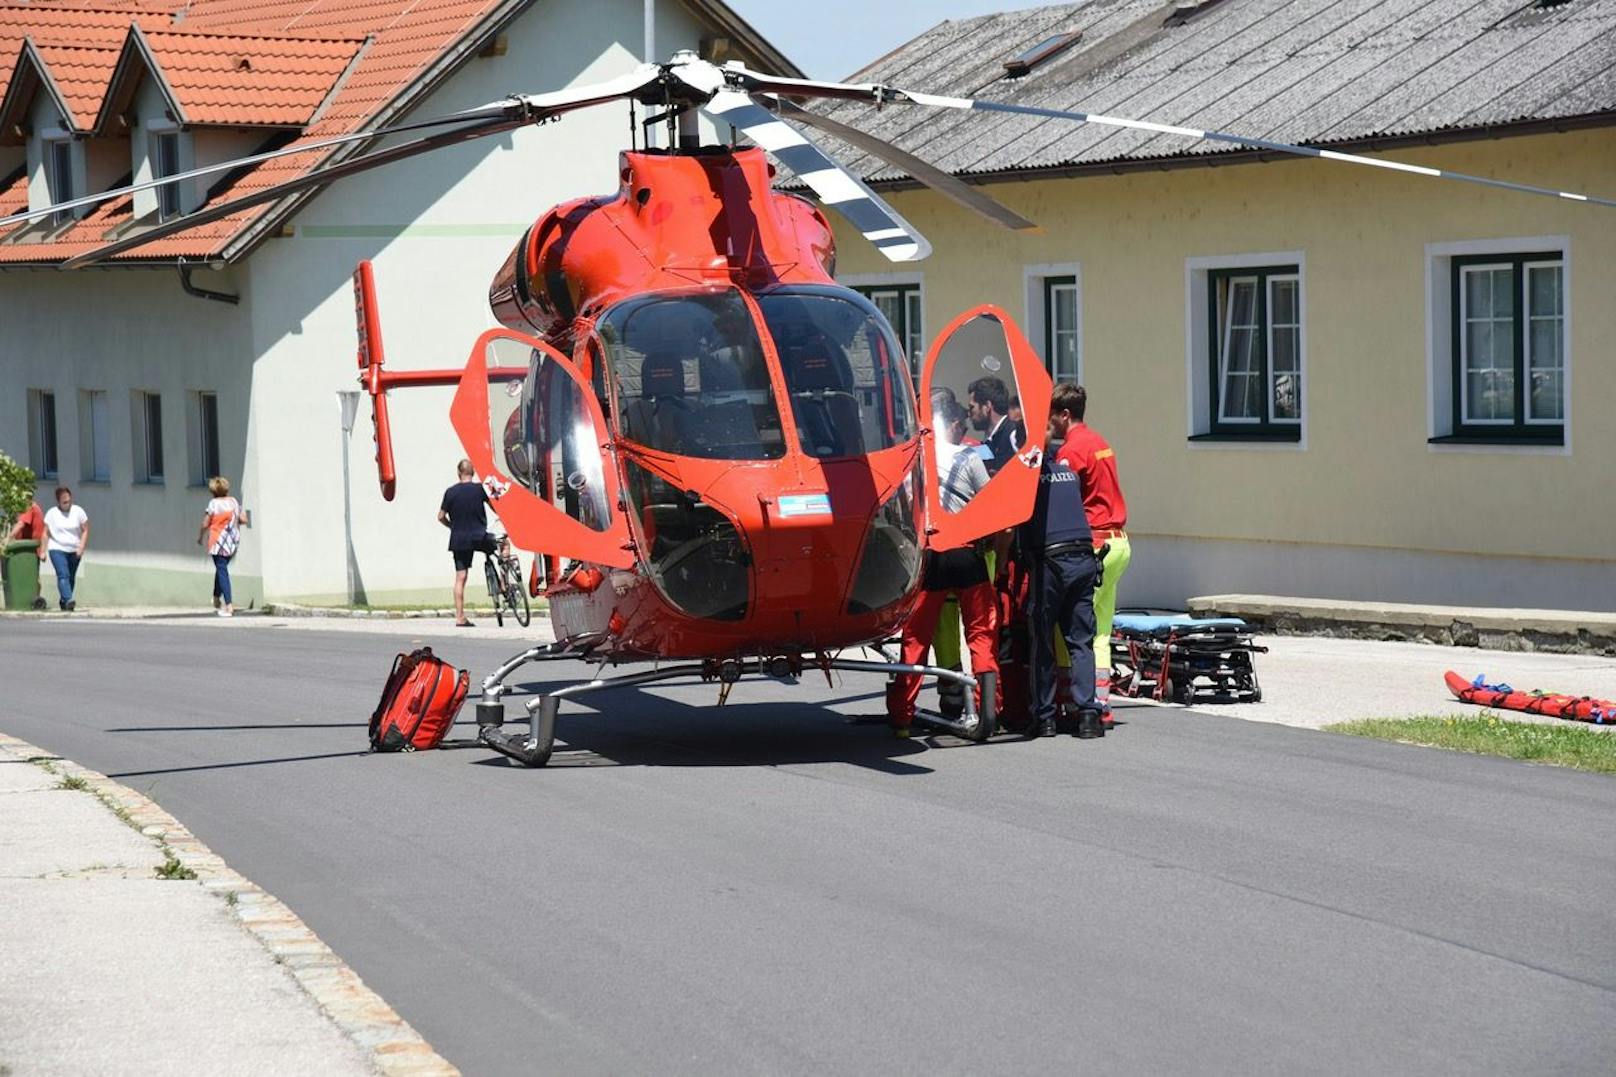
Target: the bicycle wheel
(494, 590)
(516, 593)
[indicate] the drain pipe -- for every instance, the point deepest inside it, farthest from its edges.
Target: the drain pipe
(650, 32)
(202, 293)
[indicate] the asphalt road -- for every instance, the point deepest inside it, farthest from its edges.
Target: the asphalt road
(766, 888)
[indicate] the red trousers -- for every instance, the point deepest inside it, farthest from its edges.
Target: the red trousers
(978, 612)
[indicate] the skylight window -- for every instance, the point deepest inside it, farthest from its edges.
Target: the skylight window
(1040, 52)
(1186, 10)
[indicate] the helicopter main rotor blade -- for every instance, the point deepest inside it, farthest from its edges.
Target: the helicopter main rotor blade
(883, 95)
(838, 188)
(1250, 141)
(313, 179)
(525, 108)
(972, 198)
(495, 110)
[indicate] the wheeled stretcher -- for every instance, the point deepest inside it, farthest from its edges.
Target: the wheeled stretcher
(1179, 658)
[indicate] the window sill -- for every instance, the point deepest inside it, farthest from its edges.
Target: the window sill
(157, 483)
(1265, 437)
(1555, 440)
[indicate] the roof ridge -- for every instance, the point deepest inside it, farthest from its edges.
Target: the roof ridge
(98, 9)
(259, 36)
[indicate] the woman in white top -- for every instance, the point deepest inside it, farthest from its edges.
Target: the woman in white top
(221, 530)
(67, 530)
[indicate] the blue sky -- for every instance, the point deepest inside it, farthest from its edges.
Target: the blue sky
(840, 36)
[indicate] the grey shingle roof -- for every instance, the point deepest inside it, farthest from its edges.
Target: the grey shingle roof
(1318, 72)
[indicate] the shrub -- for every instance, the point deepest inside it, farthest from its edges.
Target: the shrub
(16, 492)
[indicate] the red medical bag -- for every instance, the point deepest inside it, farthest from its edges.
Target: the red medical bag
(419, 704)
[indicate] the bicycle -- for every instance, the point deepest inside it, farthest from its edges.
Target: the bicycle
(503, 570)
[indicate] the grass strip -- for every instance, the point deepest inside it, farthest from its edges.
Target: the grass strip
(1488, 734)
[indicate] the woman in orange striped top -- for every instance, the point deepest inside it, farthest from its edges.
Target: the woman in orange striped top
(221, 530)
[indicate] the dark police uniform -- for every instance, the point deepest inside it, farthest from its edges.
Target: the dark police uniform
(1058, 547)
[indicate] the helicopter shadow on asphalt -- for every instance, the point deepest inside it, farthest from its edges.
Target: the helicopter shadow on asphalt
(632, 727)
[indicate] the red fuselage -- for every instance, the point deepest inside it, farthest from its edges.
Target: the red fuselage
(761, 423)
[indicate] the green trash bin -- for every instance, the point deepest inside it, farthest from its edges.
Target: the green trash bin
(22, 574)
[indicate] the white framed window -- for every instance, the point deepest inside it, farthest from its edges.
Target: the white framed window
(146, 428)
(204, 436)
(1246, 348)
(59, 177)
(42, 433)
(95, 437)
(165, 151)
(1499, 343)
(1055, 317)
(901, 300)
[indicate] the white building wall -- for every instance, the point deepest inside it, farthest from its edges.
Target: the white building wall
(437, 228)
(118, 332)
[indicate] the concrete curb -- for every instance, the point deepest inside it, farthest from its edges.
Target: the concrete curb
(284, 609)
(392, 1046)
(1520, 630)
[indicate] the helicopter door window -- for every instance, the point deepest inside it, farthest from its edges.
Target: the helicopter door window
(564, 456)
(691, 378)
(982, 465)
(508, 362)
(845, 373)
(975, 405)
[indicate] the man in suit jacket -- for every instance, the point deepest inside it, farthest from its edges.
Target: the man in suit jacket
(990, 408)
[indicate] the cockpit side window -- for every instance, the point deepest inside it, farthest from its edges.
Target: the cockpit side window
(846, 376)
(691, 378)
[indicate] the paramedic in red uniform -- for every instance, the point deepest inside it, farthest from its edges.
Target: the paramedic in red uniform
(963, 572)
(1096, 464)
(1059, 549)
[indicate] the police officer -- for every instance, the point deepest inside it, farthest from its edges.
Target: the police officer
(1058, 547)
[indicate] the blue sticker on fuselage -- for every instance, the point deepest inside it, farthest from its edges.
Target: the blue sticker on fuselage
(805, 505)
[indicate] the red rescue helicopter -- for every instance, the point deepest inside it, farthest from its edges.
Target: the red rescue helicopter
(713, 449)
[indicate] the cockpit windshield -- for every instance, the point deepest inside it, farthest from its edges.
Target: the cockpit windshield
(691, 378)
(847, 378)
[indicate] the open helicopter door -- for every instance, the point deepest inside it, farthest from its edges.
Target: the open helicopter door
(983, 343)
(552, 486)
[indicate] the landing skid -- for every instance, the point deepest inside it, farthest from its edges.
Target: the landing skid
(535, 747)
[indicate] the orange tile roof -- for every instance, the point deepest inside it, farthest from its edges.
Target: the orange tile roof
(63, 27)
(247, 81)
(408, 38)
(79, 47)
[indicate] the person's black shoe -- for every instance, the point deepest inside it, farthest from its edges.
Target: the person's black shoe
(71, 605)
(1089, 725)
(61, 604)
(1044, 727)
